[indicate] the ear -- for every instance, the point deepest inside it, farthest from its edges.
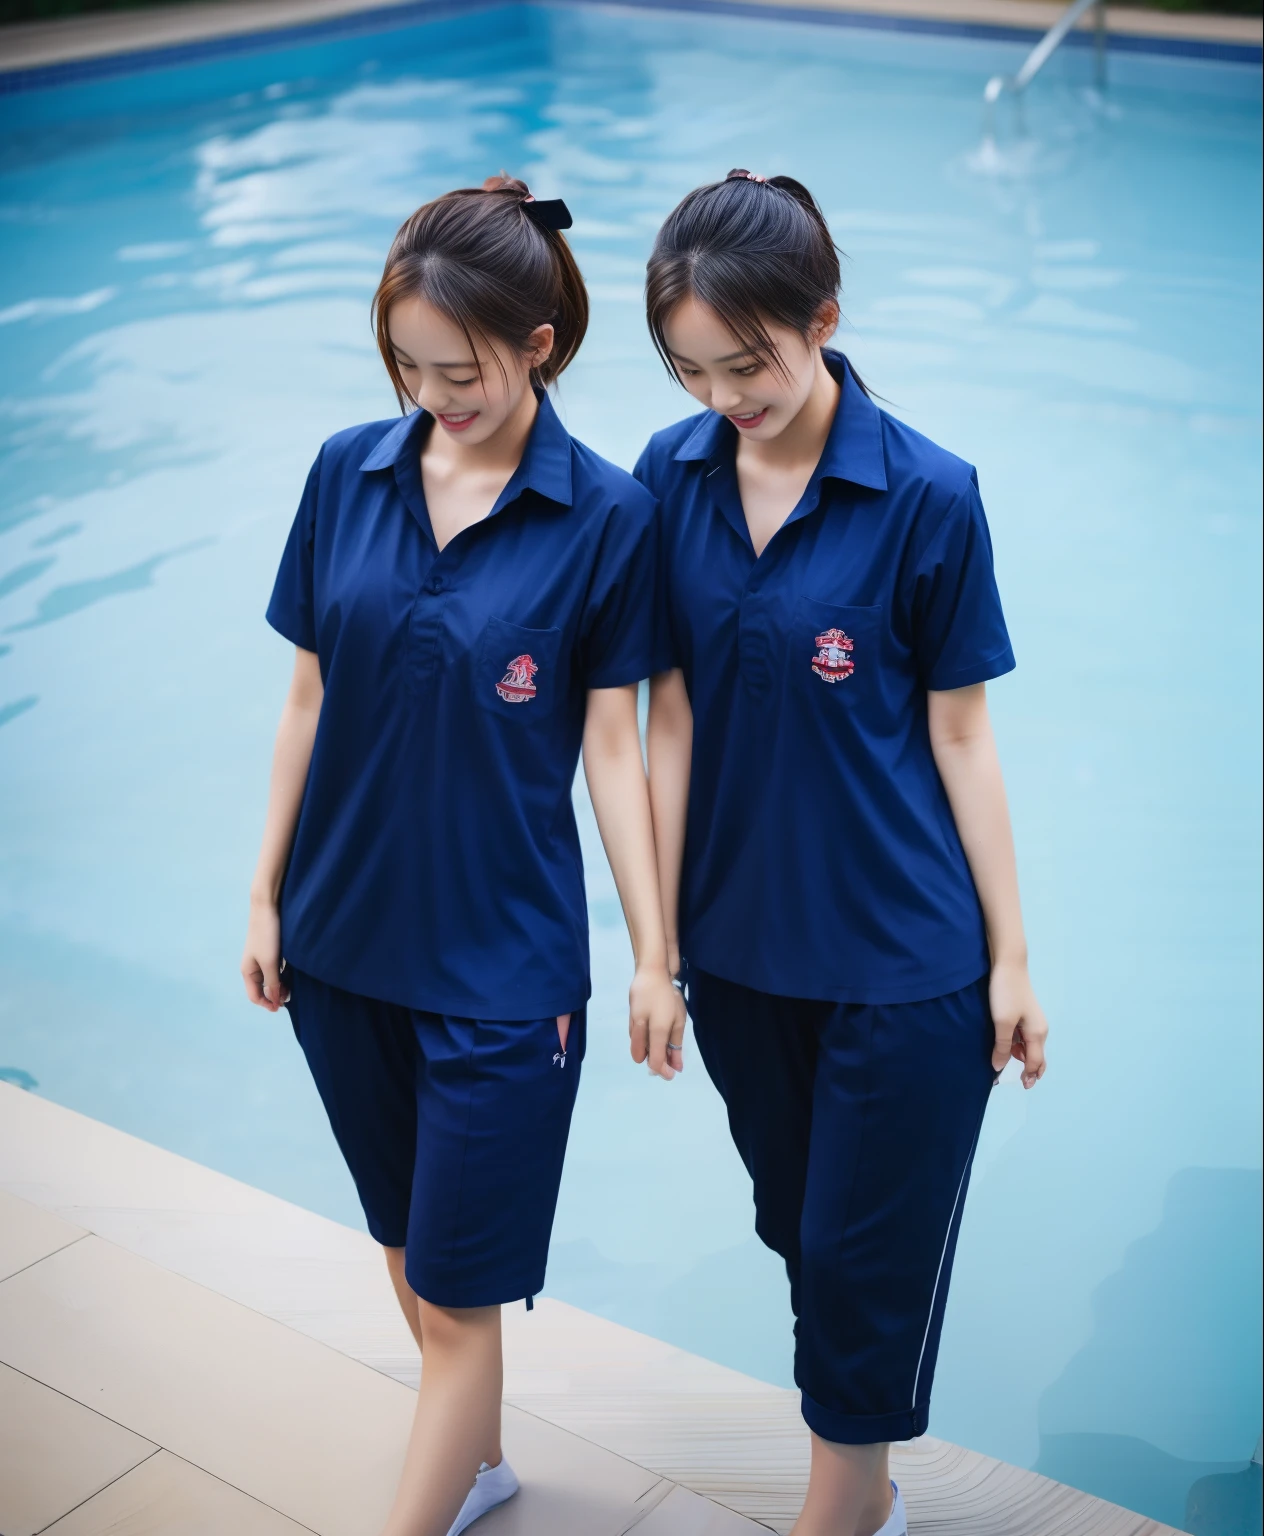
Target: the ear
(826, 322)
(539, 345)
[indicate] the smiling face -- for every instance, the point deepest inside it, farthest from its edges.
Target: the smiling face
(470, 396)
(760, 400)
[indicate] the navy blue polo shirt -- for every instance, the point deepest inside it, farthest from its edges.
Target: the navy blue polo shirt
(436, 861)
(821, 857)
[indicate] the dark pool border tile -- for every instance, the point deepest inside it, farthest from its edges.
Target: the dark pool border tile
(383, 18)
(389, 18)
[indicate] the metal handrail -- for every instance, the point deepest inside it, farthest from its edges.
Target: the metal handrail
(1044, 49)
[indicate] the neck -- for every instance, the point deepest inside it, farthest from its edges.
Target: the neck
(805, 434)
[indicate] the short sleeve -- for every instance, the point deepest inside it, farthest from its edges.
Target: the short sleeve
(291, 611)
(622, 628)
(959, 631)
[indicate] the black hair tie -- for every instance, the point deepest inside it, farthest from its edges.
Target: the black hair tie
(550, 214)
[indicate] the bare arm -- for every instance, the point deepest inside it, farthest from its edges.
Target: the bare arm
(965, 754)
(291, 757)
(669, 743)
(620, 797)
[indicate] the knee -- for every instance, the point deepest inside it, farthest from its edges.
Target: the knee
(819, 1252)
(456, 1328)
(779, 1232)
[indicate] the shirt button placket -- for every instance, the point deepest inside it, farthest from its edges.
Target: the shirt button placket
(752, 643)
(426, 631)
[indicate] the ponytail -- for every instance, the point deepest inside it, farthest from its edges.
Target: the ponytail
(755, 251)
(496, 264)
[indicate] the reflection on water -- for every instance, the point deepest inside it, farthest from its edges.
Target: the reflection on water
(61, 602)
(10, 581)
(1227, 1503)
(186, 259)
(16, 707)
(1203, 1498)
(1173, 1358)
(67, 531)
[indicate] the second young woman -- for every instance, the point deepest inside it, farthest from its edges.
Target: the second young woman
(833, 839)
(471, 595)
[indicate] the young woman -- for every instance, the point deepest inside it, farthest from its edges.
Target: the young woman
(471, 594)
(833, 841)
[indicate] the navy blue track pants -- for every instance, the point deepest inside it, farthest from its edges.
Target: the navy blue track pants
(857, 1124)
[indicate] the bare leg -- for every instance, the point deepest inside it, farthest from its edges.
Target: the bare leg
(404, 1293)
(849, 1491)
(457, 1418)
(410, 1304)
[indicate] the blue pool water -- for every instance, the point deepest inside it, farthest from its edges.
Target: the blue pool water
(186, 258)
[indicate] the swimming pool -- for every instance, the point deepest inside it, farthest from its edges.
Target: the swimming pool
(186, 257)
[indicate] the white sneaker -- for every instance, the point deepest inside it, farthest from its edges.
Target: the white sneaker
(493, 1486)
(896, 1523)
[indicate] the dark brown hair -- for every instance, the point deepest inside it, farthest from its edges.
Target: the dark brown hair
(754, 251)
(478, 256)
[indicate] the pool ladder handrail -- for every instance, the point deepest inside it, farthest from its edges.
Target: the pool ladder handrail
(1044, 50)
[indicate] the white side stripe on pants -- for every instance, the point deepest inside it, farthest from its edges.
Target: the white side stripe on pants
(934, 1295)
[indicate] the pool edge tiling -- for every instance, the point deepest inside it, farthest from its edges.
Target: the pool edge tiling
(37, 55)
(612, 1432)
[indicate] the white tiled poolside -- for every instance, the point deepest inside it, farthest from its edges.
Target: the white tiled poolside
(182, 1353)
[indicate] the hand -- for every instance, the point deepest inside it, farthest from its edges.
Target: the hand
(261, 962)
(673, 959)
(1019, 1021)
(656, 1019)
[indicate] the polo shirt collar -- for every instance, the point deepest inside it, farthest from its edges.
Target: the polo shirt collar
(390, 448)
(704, 443)
(853, 450)
(545, 466)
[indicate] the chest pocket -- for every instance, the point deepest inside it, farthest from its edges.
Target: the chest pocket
(516, 671)
(834, 654)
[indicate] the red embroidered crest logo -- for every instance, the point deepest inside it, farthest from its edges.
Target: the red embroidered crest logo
(832, 661)
(516, 686)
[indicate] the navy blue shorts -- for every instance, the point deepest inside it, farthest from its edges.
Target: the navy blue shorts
(857, 1124)
(454, 1131)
